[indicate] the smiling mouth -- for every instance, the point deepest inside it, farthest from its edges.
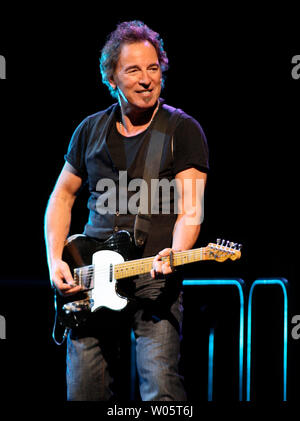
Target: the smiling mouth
(144, 91)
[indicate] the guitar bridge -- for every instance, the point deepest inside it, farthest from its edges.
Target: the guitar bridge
(84, 277)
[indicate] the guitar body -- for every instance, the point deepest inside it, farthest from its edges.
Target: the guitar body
(101, 289)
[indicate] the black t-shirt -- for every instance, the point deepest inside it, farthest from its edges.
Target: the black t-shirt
(131, 144)
(187, 152)
(190, 148)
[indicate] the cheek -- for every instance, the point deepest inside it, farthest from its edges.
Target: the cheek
(128, 85)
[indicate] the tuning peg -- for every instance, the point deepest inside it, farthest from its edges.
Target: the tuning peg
(218, 241)
(223, 242)
(232, 244)
(239, 247)
(227, 243)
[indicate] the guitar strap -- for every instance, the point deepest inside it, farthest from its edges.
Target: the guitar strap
(163, 128)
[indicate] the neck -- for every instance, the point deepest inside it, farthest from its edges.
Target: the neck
(134, 121)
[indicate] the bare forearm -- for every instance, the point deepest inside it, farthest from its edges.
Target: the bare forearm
(190, 185)
(57, 225)
(190, 189)
(184, 235)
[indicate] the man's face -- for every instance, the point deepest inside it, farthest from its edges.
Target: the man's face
(138, 75)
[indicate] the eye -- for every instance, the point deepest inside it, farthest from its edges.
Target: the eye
(154, 68)
(132, 70)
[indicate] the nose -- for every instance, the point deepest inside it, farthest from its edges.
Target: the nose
(145, 80)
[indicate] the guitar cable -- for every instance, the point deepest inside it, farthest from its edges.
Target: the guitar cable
(65, 334)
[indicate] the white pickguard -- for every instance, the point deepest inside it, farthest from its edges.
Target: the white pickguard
(104, 292)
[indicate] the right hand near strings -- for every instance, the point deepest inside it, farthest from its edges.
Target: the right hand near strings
(61, 278)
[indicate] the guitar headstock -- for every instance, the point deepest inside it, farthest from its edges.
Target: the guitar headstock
(224, 250)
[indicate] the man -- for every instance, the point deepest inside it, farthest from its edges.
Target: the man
(132, 64)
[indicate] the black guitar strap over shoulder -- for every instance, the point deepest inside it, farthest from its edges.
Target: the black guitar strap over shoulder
(163, 128)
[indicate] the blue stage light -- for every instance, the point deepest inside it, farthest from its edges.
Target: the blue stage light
(238, 283)
(282, 282)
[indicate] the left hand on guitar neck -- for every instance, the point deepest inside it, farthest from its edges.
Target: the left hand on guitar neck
(160, 267)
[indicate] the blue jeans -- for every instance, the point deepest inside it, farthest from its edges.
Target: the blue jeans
(93, 357)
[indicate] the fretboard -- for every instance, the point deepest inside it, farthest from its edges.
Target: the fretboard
(141, 266)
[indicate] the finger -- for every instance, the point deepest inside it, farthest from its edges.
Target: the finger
(166, 269)
(165, 252)
(71, 291)
(66, 289)
(68, 276)
(60, 284)
(153, 273)
(158, 266)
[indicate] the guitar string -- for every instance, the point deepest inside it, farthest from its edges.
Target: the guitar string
(91, 272)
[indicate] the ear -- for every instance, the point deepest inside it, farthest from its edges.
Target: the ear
(112, 82)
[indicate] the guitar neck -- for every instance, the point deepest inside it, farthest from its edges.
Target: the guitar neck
(142, 266)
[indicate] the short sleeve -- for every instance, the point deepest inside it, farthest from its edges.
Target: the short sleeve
(75, 155)
(190, 146)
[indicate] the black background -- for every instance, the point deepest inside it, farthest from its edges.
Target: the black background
(231, 70)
